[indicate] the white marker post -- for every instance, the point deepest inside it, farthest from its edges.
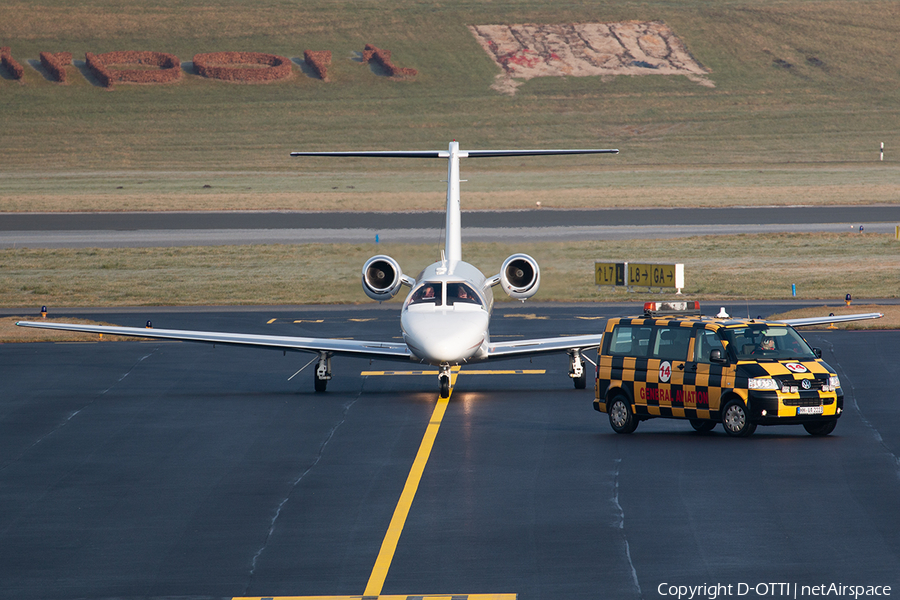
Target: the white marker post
(882, 151)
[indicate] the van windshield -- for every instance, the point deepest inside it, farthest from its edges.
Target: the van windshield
(758, 342)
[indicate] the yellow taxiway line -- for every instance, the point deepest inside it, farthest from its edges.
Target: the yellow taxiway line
(392, 597)
(401, 512)
(392, 537)
(467, 372)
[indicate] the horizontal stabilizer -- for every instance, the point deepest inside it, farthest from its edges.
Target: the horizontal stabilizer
(492, 153)
(379, 154)
(446, 154)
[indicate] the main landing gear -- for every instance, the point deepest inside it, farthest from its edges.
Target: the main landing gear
(323, 372)
(576, 370)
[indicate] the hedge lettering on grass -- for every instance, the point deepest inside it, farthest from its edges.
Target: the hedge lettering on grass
(54, 63)
(104, 67)
(243, 67)
(383, 57)
(133, 66)
(318, 61)
(10, 64)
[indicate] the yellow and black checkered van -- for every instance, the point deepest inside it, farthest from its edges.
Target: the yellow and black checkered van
(738, 372)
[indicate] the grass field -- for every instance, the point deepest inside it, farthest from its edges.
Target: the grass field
(804, 93)
(333, 190)
(821, 266)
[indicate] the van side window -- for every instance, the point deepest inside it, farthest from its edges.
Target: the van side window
(630, 340)
(672, 343)
(705, 342)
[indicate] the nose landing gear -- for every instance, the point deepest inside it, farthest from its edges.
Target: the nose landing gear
(444, 379)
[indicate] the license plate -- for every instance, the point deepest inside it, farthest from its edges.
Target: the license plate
(809, 410)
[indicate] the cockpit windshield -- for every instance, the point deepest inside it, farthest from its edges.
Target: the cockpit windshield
(460, 292)
(433, 293)
(430, 293)
(776, 342)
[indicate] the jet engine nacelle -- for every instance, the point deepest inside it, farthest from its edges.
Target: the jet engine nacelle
(382, 278)
(520, 276)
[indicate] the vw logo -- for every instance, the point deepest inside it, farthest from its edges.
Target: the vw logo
(805, 384)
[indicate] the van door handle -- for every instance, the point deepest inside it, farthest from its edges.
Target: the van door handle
(680, 366)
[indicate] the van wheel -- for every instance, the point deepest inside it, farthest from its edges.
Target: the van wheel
(621, 419)
(820, 427)
(703, 425)
(736, 421)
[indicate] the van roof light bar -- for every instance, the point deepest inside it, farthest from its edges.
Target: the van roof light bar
(689, 308)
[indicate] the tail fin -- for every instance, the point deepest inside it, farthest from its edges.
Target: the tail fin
(453, 233)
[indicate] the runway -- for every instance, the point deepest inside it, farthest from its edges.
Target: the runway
(77, 230)
(152, 470)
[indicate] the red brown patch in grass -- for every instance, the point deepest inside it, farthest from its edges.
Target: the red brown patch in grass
(586, 49)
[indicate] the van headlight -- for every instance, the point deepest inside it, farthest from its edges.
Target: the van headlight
(834, 382)
(762, 383)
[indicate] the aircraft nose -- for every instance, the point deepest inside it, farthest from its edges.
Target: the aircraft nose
(441, 337)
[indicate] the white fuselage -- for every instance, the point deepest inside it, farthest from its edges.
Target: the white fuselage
(446, 316)
(441, 328)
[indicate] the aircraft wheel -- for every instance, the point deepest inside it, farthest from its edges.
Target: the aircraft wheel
(820, 427)
(320, 384)
(445, 387)
(581, 382)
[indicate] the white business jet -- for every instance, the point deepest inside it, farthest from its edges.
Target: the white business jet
(445, 319)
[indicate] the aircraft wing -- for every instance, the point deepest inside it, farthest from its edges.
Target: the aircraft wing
(520, 348)
(833, 319)
(358, 348)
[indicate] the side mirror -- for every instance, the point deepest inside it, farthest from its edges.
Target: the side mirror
(817, 352)
(716, 356)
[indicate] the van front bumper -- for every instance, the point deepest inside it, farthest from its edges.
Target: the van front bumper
(771, 408)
